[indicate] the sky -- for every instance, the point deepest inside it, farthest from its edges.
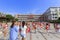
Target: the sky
(27, 6)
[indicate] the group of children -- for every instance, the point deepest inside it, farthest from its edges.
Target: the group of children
(16, 28)
(40, 25)
(22, 28)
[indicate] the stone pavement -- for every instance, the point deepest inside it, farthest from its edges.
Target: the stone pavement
(44, 36)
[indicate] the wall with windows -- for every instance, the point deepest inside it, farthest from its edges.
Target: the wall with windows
(52, 13)
(28, 17)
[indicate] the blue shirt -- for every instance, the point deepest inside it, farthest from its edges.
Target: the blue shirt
(14, 33)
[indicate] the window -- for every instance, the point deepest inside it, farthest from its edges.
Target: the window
(54, 14)
(55, 17)
(55, 9)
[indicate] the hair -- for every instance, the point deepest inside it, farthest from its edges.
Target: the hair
(13, 24)
(23, 23)
(46, 23)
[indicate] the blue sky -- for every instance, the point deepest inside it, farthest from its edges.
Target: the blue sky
(27, 6)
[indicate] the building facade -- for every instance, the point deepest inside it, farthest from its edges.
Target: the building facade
(52, 13)
(2, 15)
(27, 17)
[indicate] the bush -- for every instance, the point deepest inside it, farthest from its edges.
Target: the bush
(54, 21)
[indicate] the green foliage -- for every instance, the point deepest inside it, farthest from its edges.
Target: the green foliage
(16, 19)
(59, 18)
(55, 21)
(9, 16)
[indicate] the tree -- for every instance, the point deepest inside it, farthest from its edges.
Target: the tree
(16, 19)
(10, 17)
(59, 18)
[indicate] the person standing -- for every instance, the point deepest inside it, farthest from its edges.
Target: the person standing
(0, 25)
(47, 27)
(28, 29)
(1, 29)
(23, 30)
(14, 30)
(5, 29)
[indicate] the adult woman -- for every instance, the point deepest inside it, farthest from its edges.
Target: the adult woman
(23, 31)
(14, 30)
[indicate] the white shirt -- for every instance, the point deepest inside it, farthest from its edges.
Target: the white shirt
(23, 29)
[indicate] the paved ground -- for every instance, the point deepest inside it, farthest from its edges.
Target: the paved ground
(40, 34)
(44, 36)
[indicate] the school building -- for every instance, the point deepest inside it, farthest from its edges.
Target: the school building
(52, 13)
(30, 17)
